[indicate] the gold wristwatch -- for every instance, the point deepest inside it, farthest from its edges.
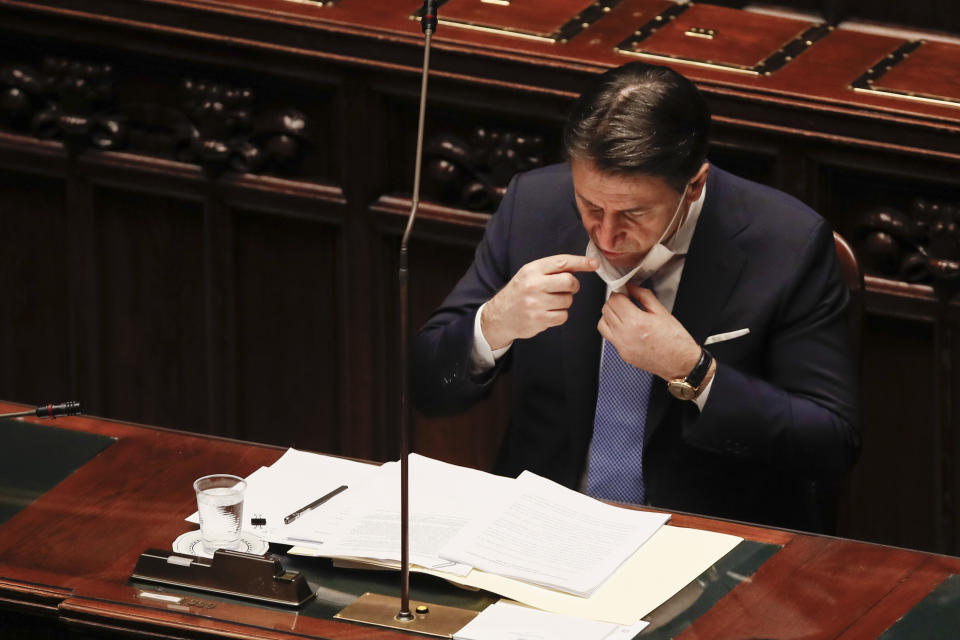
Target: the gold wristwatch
(689, 387)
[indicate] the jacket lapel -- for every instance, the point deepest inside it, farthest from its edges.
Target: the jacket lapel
(712, 267)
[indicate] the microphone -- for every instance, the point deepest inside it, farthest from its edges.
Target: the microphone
(47, 411)
(374, 608)
(429, 20)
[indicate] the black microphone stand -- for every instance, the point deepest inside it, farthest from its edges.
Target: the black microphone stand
(373, 608)
(429, 24)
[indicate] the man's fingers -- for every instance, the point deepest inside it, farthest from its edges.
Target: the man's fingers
(561, 283)
(604, 329)
(646, 298)
(569, 263)
(609, 312)
(560, 301)
(556, 317)
(619, 306)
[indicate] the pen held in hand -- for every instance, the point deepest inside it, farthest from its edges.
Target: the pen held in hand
(313, 505)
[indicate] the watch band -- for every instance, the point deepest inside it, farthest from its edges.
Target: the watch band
(689, 387)
(700, 370)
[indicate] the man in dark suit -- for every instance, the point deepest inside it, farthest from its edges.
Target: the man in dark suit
(707, 369)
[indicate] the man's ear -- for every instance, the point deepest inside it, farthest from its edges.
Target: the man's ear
(698, 182)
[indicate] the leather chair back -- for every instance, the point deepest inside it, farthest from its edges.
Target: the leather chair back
(853, 277)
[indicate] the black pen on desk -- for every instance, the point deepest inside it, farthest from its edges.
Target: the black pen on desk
(313, 505)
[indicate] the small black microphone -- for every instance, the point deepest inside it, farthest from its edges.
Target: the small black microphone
(47, 411)
(429, 20)
(57, 410)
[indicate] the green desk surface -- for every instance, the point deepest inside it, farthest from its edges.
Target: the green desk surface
(34, 458)
(935, 617)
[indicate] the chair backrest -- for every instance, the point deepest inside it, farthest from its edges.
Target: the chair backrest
(836, 497)
(853, 277)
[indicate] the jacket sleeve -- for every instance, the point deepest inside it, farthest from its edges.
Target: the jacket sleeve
(802, 412)
(442, 383)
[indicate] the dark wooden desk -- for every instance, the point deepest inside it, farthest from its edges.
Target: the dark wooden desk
(66, 558)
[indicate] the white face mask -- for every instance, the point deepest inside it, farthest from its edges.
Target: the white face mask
(658, 256)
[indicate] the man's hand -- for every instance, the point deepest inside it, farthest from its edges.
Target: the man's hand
(649, 338)
(536, 298)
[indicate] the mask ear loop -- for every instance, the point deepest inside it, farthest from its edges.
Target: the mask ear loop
(675, 214)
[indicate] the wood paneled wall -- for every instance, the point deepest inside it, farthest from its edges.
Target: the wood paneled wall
(201, 233)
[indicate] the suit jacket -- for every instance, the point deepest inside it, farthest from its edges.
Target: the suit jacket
(780, 424)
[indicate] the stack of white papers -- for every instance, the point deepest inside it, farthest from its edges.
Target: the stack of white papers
(443, 500)
(530, 529)
(673, 558)
(529, 539)
(546, 534)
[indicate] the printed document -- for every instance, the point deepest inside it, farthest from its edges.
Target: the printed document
(546, 534)
(443, 499)
(673, 558)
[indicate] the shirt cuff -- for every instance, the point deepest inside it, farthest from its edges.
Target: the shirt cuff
(701, 399)
(483, 358)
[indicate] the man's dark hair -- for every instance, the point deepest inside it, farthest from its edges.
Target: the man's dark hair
(641, 119)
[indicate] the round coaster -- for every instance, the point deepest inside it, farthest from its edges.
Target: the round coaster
(192, 544)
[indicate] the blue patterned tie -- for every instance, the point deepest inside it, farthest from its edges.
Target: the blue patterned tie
(616, 451)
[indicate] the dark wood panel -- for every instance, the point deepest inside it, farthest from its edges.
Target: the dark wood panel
(151, 291)
(437, 261)
(933, 14)
(851, 191)
(288, 348)
(35, 329)
(473, 438)
(747, 160)
(895, 487)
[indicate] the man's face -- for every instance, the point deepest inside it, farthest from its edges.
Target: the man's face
(625, 216)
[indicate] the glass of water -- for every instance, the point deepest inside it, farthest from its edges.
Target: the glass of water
(220, 504)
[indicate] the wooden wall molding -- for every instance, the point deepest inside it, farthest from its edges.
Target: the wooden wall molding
(472, 173)
(921, 244)
(212, 124)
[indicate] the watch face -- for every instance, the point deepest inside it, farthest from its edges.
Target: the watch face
(681, 389)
